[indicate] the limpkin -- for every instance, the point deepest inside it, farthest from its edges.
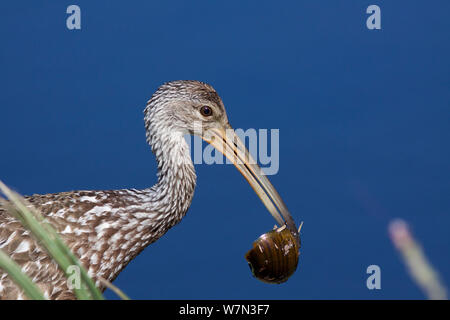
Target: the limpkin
(107, 229)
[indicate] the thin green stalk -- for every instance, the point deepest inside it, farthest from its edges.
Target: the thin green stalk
(115, 289)
(21, 279)
(49, 239)
(30, 223)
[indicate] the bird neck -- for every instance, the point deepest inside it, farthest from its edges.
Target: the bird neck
(172, 194)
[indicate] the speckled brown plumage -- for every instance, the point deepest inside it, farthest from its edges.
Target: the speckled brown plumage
(107, 229)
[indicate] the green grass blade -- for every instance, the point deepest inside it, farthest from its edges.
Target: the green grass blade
(20, 278)
(45, 240)
(50, 240)
(94, 291)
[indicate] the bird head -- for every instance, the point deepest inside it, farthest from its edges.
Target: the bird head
(194, 107)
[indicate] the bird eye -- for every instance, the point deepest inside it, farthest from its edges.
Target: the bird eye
(206, 111)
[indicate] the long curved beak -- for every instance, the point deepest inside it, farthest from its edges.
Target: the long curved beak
(227, 142)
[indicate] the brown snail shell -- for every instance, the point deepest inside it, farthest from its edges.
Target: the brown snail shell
(274, 256)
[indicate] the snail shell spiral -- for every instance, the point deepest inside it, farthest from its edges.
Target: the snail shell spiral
(274, 255)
